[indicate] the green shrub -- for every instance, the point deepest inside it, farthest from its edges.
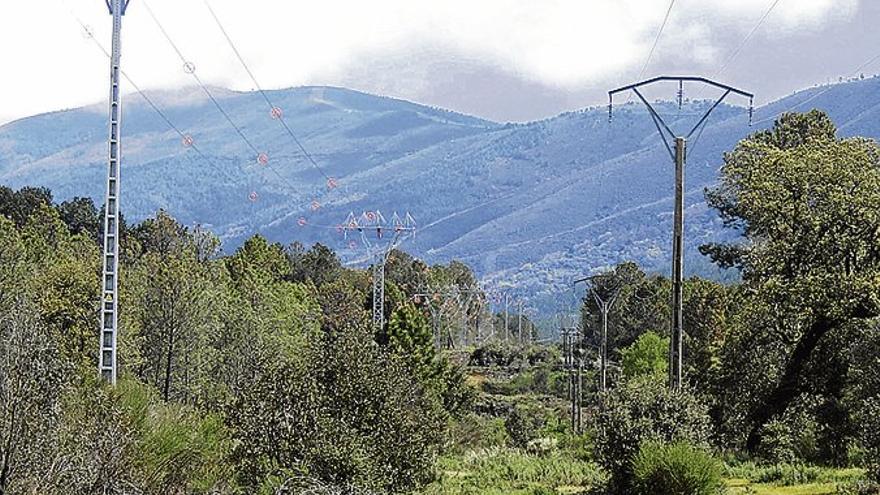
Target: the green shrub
(506, 470)
(503, 355)
(541, 380)
(345, 411)
(777, 443)
(474, 431)
(790, 474)
(525, 423)
(860, 487)
(676, 468)
(870, 436)
(644, 410)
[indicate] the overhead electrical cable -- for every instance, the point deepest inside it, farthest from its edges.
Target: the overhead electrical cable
(276, 111)
(657, 39)
(189, 68)
(185, 138)
(856, 71)
(745, 41)
(748, 37)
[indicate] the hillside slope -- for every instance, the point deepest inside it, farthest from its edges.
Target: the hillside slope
(529, 205)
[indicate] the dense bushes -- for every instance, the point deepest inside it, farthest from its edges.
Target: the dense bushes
(474, 431)
(542, 380)
(343, 411)
(870, 434)
(500, 355)
(675, 468)
(524, 424)
(644, 410)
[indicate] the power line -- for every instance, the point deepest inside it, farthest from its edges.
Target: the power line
(190, 68)
(186, 139)
(743, 43)
(748, 37)
(657, 39)
(820, 93)
(275, 111)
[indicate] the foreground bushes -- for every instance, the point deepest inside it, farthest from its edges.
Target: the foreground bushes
(675, 468)
(644, 410)
(344, 412)
(870, 435)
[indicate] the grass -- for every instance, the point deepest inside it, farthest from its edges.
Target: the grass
(787, 479)
(504, 471)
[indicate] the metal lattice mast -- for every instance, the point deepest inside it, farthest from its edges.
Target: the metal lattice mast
(573, 364)
(110, 299)
(436, 299)
(380, 238)
(679, 157)
(379, 294)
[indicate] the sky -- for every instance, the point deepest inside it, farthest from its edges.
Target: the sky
(507, 60)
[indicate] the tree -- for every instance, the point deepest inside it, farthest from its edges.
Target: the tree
(642, 305)
(342, 410)
(648, 356)
(409, 335)
(31, 375)
(81, 217)
(805, 202)
(13, 266)
(318, 265)
(171, 296)
(18, 205)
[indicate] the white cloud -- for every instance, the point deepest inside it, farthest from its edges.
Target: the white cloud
(289, 42)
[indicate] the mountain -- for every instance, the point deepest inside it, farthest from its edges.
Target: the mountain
(527, 205)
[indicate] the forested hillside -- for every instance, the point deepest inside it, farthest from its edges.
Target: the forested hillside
(564, 195)
(258, 369)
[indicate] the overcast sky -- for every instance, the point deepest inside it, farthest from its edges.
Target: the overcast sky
(501, 59)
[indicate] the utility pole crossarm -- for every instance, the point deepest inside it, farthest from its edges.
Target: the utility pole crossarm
(681, 79)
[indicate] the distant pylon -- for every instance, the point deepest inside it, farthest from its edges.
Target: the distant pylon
(380, 238)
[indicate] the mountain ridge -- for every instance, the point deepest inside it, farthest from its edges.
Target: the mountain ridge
(577, 192)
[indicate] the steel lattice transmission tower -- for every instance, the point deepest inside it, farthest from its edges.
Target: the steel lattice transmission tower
(110, 299)
(380, 237)
(456, 297)
(678, 153)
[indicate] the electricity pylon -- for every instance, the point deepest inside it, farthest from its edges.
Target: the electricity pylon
(574, 367)
(604, 302)
(678, 152)
(380, 238)
(438, 299)
(107, 364)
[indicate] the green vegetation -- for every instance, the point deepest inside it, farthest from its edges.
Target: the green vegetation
(260, 371)
(647, 356)
(675, 468)
(510, 471)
